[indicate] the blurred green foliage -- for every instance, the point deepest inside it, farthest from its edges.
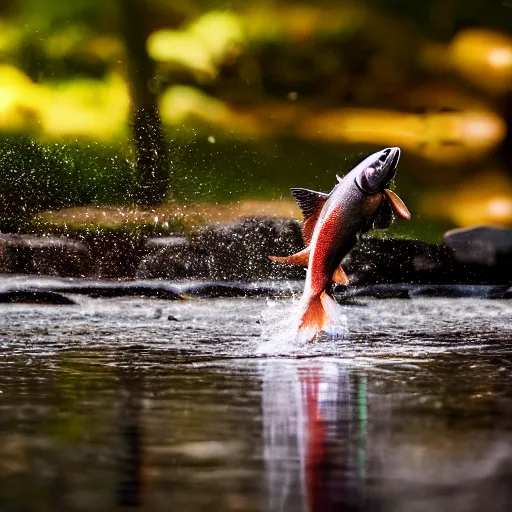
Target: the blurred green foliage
(38, 176)
(255, 98)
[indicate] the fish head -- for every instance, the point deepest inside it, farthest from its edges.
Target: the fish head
(375, 172)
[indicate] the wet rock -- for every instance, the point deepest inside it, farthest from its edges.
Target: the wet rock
(507, 294)
(379, 291)
(241, 249)
(157, 290)
(115, 254)
(459, 291)
(232, 251)
(34, 297)
(216, 290)
(170, 258)
(482, 245)
(379, 261)
(48, 255)
(406, 291)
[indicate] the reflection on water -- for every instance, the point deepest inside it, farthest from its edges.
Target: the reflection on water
(261, 435)
(108, 408)
(305, 435)
(314, 423)
(338, 439)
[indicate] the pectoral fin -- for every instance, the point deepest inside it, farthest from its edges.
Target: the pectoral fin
(398, 204)
(339, 276)
(299, 258)
(310, 204)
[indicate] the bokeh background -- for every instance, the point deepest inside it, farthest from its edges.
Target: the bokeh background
(151, 106)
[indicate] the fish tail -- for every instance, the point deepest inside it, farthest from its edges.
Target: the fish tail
(314, 318)
(319, 311)
(331, 307)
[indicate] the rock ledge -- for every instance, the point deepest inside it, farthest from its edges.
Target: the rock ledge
(239, 250)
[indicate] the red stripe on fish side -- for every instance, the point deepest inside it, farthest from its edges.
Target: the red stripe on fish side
(329, 230)
(316, 449)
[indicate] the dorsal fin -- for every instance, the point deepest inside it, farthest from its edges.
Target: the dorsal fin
(309, 201)
(310, 204)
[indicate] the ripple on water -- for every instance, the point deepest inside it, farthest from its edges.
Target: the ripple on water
(149, 401)
(254, 327)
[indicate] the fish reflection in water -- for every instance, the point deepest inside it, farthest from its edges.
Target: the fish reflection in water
(314, 416)
(335, 440)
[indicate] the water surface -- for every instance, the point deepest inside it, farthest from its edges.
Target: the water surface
(208, 404)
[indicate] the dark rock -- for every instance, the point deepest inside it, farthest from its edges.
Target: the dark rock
(172, 318)
(167, 256)
(405, 291)
(100, 254)
(34, 297)
(379, 291)
(157, 290)
(215, 290)
(459, 291)
(482, 245)
(239, 251)
(506, 295)
(170, 258)
(379, 261)
(48, 255)
(234, 251)
(116, 254)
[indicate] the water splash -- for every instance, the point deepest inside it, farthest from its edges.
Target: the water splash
(280, 336)
(370, 332)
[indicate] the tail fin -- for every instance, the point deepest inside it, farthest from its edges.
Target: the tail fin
(319, 311)
(313, 318)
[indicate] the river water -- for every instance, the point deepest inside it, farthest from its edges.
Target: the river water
(210, 404)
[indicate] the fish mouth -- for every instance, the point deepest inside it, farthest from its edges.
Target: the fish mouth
(389, 159)
(378, 170)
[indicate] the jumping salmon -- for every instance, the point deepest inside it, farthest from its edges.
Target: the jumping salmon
(330, 227)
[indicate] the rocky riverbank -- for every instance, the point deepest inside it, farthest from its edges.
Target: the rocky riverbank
(239, 250)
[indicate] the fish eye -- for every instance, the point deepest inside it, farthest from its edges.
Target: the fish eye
(375, 172)
(370, 179)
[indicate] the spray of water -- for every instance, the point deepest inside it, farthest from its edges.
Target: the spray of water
(280, 320)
